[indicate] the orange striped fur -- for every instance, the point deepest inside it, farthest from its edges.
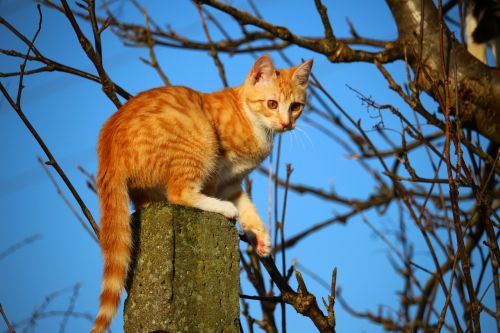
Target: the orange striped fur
(192, 149)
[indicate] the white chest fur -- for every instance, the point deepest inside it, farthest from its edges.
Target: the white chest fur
(235, 165)
(232, 170)
(238, 161)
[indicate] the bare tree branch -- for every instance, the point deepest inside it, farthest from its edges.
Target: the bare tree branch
(22, 243)
(4, 316)
(94, 53)
(16, 105)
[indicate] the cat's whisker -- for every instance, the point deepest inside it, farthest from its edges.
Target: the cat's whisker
(303, 144)
(292, 137)
(305, 135)
(288, 136)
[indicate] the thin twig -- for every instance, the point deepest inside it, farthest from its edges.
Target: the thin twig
(95, 56)
(66, 201)
(322, 10)
(70, 309)
(4, 316)
(51, 160)
(153, 62)
(282, 239)
(213, 49)
(18, 245)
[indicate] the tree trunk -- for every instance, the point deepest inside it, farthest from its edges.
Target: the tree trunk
(184, 276)
(478, 85)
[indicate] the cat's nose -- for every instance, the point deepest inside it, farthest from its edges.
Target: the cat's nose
(284, 123)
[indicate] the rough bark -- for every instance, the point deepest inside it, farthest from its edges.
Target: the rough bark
(478, 86)
(184, 276)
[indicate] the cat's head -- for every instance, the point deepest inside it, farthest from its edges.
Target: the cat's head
(277, 97)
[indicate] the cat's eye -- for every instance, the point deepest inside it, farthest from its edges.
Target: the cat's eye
(272, 104)
(295, 107)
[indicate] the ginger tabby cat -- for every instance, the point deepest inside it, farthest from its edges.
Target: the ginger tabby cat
(191, 149)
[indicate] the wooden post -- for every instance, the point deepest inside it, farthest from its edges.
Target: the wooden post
(185, 273)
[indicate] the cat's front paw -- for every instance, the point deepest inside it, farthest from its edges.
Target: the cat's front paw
(262, 243)
(229, 210)
(226, 208)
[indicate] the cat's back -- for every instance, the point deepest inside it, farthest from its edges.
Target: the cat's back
(162, 99)
(164, 113)
(149, 109)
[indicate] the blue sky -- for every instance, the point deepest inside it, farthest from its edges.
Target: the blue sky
(68, 112)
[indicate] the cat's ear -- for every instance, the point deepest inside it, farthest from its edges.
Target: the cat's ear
(301, 74)
(263, 70)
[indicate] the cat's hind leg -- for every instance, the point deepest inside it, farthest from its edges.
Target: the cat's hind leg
(191, 160)
(143, 197)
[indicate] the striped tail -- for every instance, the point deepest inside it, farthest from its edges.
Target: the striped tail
(116, 242)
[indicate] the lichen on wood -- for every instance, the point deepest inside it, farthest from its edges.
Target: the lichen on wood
(184, 276)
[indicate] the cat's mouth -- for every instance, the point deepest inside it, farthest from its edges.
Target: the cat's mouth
(284, 128)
